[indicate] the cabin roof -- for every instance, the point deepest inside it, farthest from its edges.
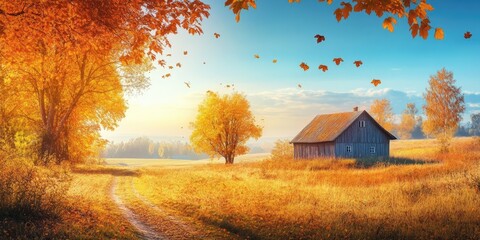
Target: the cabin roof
(327, 127)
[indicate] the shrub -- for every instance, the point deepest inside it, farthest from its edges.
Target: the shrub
(282, 149)
(28, 191)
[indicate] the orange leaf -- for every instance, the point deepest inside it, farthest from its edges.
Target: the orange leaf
(338, 60)
(216, 35)
(439, 34)
(256, 56)
(388, 23)
(324, 68)
(375, 82)
(304, 66)
(414, 29)
(358, 63)
(467, 35)
(320, 38)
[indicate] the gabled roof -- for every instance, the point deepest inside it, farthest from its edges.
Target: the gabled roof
(327, 127)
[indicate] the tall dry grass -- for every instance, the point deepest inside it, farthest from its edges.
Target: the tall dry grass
(28, 191)
(428, 196)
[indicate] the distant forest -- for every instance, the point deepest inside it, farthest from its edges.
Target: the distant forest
(143, 147)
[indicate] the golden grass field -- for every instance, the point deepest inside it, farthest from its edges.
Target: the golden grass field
(419, 194)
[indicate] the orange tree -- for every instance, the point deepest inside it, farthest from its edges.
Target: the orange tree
(75, 59)
(444, 105)
(382, 112)
(223, 125)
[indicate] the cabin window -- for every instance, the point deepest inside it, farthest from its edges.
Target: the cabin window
(372, 149)
(349, 148)
(361, 124)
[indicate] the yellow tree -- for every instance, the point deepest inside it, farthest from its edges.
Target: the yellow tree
(73, 97)
(444, 107)
(381, 111)
(408, 122)
(223, 125)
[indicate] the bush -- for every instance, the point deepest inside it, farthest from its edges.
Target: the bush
(28, 191)
(282, 149)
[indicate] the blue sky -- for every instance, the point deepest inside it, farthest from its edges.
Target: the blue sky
(286, 32)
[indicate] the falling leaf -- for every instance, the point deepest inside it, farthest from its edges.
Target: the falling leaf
(256, 56)
(167, 75)
(389, 22)
(304, 66)
(209, 92)
(338, 60)
(319, 38)
(375, 82)
(274, 61)
(187, 83)
(169, 55)
(358, 63)
(216, 35)
(163, 76)
(170, 67)
(178, 65)
(185, 52)
(299, 85)
(467, 35)
(324, 68)
(439, 34)
(203, 62)
(228, 85)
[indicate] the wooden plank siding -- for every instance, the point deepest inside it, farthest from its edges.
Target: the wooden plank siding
(361, 139)
(314, 150)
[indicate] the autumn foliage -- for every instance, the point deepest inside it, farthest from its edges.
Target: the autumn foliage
(444, 107)
(223, 126)
(71, 63)
(382, 112)
(415, 11)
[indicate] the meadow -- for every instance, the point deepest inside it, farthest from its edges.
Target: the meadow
(417, 193)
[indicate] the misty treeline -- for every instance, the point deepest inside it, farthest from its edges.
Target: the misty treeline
(412, 129)
(442, 113)
(144, 147)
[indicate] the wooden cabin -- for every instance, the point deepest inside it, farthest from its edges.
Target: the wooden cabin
(342, 135)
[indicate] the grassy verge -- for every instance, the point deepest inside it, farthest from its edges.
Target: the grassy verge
(86, 212)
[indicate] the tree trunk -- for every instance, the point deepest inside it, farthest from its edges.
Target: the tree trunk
(229, 159)
(47, 147)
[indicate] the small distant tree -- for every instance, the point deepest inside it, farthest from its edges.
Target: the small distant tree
(223, 125)
(282, 149)
(475, 127)
(444, 107)
(417, 130)
(408, 122)
(381, 111)
(160, 151)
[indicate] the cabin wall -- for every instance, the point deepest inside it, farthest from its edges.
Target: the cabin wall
(313, 150)
(361, 139)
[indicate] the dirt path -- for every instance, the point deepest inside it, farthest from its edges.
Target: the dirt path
(146, 231)
(171, 220)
